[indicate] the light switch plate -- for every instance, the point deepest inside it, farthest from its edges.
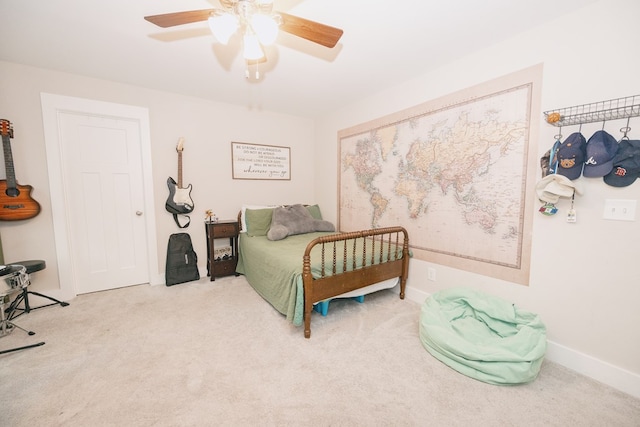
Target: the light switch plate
(620, 210)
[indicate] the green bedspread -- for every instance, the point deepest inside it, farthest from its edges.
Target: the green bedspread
(274, 269)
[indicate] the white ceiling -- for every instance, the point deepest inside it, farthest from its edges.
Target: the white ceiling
(384, 43)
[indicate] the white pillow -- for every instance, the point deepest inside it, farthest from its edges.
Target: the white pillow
(243, 215)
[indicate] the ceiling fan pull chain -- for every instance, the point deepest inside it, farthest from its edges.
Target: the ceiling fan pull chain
(247, 70)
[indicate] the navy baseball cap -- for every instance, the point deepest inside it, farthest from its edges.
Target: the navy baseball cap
(626, 164)
(600, 151)
(571, 154)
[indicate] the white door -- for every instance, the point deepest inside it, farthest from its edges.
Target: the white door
(103, 180)
(104, 212)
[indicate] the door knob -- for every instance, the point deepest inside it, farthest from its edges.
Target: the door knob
(139, 213)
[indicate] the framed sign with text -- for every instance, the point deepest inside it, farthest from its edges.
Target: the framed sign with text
(256, 161)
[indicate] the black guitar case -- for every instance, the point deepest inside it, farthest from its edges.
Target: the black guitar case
(182, 261)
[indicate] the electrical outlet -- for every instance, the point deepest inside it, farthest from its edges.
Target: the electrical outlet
(620, 210)
(431, 274)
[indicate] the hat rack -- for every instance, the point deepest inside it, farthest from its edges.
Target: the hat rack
(612, 109)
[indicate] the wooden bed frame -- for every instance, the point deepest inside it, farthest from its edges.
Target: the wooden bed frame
(381, 264)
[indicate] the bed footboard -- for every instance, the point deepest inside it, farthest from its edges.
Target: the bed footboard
(351, 261)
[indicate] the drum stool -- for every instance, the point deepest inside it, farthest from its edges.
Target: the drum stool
(14, 311)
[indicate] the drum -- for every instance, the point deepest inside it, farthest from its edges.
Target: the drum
(13, 278)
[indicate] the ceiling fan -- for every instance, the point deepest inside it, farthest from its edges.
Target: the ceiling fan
(256, 21)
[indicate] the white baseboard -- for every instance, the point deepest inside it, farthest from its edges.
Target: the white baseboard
(591, 367)
(604, 372)
(415, 295)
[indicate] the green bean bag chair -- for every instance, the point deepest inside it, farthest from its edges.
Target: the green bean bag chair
(482, 336)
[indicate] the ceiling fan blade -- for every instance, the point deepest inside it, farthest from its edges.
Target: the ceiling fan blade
(310, 30)
(179, 18)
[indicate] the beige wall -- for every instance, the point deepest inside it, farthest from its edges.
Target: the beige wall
(584, 282)
(208, 129)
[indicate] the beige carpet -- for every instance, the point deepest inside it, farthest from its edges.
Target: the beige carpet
(215, 353)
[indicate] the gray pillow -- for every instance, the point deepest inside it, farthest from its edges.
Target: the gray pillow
(295, 219)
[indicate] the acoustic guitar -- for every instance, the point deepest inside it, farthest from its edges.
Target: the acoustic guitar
(15, 200)
(179, 200)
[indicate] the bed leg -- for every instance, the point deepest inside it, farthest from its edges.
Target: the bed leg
(307, 282)
(405, 264)
(307, 327)
(308, 307)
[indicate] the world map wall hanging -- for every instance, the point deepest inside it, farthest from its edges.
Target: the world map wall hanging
(456, 172)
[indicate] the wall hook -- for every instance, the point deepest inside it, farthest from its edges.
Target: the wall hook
(626, 130)
(558, 137)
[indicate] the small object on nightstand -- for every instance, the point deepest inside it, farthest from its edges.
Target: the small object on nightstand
(224, 265)
(210, 216)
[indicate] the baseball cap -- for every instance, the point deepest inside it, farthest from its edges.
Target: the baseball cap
(626, 164)
(600, 151)
(550, 188)
(571, 155)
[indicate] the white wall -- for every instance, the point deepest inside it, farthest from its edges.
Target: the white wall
(584, 282)
(208, 129)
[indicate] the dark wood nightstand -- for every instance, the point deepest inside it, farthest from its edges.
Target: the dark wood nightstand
(225, 265)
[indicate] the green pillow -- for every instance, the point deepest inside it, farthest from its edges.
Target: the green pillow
(315, 211)
(258, 221)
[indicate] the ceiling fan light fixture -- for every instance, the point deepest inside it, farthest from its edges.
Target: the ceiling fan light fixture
(256, 22)
(265, 27)
(252, 49)
(222, 26)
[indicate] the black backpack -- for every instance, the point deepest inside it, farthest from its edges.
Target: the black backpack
(182, 261)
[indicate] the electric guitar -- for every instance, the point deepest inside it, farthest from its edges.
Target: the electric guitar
(179, 200)
(15, 200)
